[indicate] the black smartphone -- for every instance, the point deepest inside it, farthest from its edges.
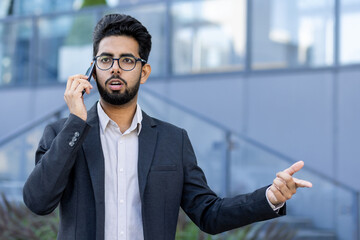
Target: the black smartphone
(89, 73)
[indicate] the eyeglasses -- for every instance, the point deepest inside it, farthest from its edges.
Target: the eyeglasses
(126, 63)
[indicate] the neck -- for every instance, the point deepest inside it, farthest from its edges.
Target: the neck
(122, 115)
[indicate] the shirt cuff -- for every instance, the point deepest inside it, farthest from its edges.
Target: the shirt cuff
(275, 208)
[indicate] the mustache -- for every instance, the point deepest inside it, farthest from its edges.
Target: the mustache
(116, 77)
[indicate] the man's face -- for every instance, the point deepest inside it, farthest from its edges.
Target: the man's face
(116, 86)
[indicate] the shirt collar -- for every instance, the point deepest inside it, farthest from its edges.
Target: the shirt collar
(104, 119)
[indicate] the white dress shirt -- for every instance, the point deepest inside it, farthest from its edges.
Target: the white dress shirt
(122, 197)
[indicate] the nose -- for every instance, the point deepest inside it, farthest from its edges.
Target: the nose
(116, 66)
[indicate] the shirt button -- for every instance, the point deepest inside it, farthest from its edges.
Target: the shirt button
(122, 232)
(121, 201)
(121, 169)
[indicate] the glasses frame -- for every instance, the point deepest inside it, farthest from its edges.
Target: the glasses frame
(118, 62)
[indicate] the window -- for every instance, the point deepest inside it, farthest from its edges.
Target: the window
(15, 52)
(26, 7)
(208, 36)
(64, 46)
(290, 34)
(349, 32)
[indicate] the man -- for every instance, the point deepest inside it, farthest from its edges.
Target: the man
(118, 173)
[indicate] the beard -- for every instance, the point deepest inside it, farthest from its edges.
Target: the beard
(116, 97)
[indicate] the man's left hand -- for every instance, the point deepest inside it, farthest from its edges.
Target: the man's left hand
(284, 185)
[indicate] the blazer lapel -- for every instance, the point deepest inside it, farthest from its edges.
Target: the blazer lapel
(94, 156)
(147, 145)
(95, 160)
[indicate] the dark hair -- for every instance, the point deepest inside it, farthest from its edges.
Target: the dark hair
(120, 25)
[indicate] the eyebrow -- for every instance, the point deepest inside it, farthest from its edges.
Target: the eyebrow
(122, 55)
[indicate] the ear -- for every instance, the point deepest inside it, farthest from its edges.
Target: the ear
(145, 73)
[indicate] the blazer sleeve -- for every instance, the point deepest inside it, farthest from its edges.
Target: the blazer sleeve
(213, 214)
(54, 159)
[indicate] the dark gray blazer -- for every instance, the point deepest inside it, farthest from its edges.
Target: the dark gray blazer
(70, 170)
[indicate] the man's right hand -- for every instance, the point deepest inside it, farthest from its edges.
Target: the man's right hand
(73, 95)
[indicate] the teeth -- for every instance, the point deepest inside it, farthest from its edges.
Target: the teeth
(116, 83)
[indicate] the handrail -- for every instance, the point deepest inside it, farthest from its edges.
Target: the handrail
(248, 139)
(35, 123)
(31, 125)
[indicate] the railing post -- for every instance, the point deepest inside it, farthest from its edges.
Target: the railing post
(227, 162)
(33, 54)
(357, 212)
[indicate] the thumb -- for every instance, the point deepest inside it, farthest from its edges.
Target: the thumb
(294, 168)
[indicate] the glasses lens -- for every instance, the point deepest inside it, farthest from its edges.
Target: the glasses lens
(104, 62)
(127, 63)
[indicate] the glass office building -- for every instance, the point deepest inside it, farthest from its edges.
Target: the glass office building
(258, 84)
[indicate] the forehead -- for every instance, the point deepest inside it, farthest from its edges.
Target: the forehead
(118, 45)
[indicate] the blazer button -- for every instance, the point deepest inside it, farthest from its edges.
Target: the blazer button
(76, 134)
(71, 144)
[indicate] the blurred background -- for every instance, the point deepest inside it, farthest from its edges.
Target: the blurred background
(258, 84)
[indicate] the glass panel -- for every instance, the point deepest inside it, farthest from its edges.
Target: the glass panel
(5, 6)
(26, 7)
(207, 141)
(329, 207)
(64, 46)
(115, 3)
(288, 34)
(349, 37)
(208, 36)
(153, 18)
(15, 52)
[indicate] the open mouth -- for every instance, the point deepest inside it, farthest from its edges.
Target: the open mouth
(116, 84)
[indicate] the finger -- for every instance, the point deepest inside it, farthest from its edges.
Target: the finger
(294, 168)
(78, 82)
(87, 90)
(302, 183)
(68, 83)
(288, 180)
(283, 188)
(80, 76)
(271, 196)
(72, 78)
(83, 86)
(279, 197)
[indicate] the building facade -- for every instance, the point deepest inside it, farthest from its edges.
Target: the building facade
(269, 82)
